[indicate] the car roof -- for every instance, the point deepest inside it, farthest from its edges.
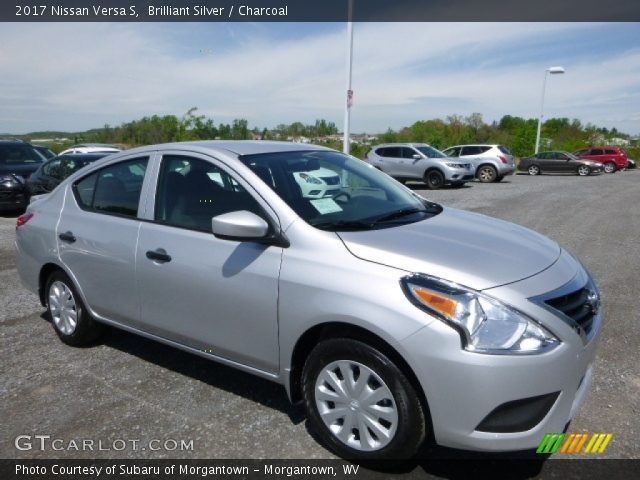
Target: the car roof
(237, 147)
(84, 156)
(476, 145)
(404, 144)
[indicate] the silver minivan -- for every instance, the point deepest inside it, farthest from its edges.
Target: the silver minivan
(392, 318)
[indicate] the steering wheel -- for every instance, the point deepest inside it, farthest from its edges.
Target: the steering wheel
(342, 194)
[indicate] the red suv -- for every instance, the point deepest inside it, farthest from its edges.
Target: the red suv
(613, 158)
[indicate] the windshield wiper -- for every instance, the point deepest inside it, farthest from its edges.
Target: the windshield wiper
(400, 213)
(344, 225)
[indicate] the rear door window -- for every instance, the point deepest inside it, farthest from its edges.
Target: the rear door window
(471, 150)
(114, 189)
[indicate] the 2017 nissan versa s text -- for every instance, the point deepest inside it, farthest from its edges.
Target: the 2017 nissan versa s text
(389, 316)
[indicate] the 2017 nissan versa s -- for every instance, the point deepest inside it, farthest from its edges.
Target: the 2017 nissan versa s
(390, 316)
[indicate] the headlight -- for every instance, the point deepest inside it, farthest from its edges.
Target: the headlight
(9, 178)
(454, 165)
(309, 179)
(485, 324)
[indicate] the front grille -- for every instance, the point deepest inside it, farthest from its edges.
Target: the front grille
(577, 306)
(331, 180)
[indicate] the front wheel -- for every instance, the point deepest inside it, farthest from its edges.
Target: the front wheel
(69, 317)
(609, 167)
(360, 403)
(534, 170)
(434, 179)
(583, 170)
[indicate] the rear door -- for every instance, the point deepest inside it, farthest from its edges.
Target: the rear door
(97, 236)
(391, 160)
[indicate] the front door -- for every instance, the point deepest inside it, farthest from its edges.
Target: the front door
(218, 296)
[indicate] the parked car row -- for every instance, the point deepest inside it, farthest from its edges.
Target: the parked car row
(487, 163)
(582, 162)
(455, 166)
(27, 169)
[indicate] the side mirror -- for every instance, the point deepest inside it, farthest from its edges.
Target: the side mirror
(416, 156)
(239, 225)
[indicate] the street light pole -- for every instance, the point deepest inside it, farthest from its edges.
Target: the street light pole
(552, 71)
(349, 99)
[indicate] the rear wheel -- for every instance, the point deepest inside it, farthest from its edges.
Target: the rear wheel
(69, 317)
(584, 170)
(534, 170)
(487, 174)
(499, 178)
(434, 179)
(360, 403)
(609, 167)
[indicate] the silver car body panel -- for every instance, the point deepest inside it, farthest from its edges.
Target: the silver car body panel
(247, 305)
(489, 157)
(415, 168)
(467, 248)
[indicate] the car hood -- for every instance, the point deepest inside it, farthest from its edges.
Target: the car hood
(474, 250)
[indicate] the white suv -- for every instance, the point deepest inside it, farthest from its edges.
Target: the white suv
(492, 162)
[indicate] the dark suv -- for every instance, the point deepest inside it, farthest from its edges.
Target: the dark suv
(613, 158)
(18, 160)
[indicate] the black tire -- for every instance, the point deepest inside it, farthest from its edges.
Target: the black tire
(86, 329)
(583, 170)
(610, 167)
(410, 429)
(487, 173)
(434, 179)
(499, 178)
(533, 170)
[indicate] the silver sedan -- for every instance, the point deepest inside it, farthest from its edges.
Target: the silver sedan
(392, 318)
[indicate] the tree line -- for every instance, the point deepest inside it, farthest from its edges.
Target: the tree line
(516, 133)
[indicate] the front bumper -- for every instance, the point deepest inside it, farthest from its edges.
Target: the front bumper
(463, 388)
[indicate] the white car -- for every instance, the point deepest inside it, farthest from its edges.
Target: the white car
(319, 183)
(492, 162)
(91, 148)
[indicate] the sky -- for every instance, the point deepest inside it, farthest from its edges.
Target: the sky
(76, 76)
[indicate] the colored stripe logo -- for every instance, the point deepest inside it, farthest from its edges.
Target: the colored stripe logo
(574, 443)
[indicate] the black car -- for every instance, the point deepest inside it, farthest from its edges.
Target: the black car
(46, 152)
(558, 162)
(18, 160)
(49, 175)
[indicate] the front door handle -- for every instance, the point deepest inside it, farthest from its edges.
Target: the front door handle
(67, 237)
(159, 255)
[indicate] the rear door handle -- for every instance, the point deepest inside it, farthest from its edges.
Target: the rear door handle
(159, 255)
(67, 237)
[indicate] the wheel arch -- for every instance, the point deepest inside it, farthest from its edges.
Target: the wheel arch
(323, 331)
(45, 272)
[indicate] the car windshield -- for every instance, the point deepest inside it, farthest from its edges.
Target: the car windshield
(13, 155)
(430, 152)
(571, 156)
(333, 191)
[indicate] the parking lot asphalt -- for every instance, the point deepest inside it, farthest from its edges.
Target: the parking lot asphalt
(130, 388)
